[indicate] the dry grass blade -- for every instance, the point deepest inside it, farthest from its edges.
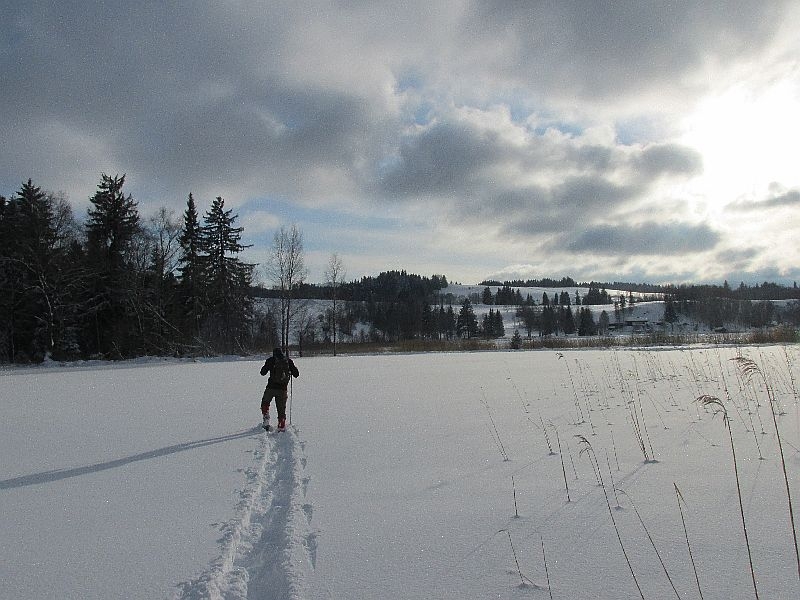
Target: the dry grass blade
(718, 406)
(712, 401)
(747, 366)
(524, 580)
(652, 542)
(589, 450)
(680, 500)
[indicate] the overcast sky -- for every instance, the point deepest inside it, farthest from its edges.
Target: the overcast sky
(640, 141)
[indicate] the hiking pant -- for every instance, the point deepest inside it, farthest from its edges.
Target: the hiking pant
(280, 401)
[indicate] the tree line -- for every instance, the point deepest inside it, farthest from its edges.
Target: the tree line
(117, 285)
(508, 296)
(719, 311)
(762, 291)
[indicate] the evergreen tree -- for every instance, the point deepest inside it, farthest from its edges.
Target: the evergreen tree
(113, 223)
(492, 324)
(498, 329)
(670, 314)
(267, 332)
(227, 279)
(586, 323)
(596, 296)
(488, 298)
(6, 322)
(516, 340)
(44, 230)
(449, 323)
(529, 317)
(567, 320)
(428, 322)
(12, 327)
(548, 324)
(191, 272)
(603, 323)
(467, 322)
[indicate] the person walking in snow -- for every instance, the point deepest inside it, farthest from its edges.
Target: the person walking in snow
(281, 369)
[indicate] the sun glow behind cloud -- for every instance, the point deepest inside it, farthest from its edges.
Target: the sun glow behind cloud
(748, 140)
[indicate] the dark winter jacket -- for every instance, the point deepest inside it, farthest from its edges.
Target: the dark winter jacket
(269, 368)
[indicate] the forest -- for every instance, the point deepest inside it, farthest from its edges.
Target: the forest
(115, 285)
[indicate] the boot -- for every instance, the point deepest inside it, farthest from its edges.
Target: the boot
(281, 424)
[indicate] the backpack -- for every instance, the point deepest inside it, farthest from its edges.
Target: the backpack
(280, 371)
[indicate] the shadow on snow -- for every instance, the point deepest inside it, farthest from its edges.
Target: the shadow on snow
(59, 474)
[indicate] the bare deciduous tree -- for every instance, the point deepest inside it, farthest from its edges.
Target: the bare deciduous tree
(334, 276)
(287, 270)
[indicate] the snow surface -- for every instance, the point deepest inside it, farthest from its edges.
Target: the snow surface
(153, 480)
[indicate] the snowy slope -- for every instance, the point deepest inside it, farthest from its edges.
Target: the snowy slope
(152, 481)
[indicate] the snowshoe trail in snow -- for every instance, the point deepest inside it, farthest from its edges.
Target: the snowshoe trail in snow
(268, 549)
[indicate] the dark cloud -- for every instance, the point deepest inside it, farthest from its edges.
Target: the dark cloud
(465, 169)
(578, 199)
(443, 160)
(788, 199)
(599, 51)
(668, 159)
(185, 99)
(670, 239)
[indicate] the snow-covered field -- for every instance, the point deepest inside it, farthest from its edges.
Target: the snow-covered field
(403, 476)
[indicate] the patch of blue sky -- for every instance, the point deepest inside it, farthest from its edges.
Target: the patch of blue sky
(640, 130)
(570, 129)
(423, 113)
(524, 110)
(409, 80)
(320, 226)
(387, 164)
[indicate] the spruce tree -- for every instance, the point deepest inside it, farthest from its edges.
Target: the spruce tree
(227, 278)
(38, 262)
(568, 320)
(113, 223)
(516, 340)
(10, 281)
(603, 323)
(498, 329)
(191, 272)
(467, 322)
(548, 324)
(450, 323)
(670, 314)
(586, 323)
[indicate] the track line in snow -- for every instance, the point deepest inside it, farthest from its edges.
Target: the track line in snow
(268, 549)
